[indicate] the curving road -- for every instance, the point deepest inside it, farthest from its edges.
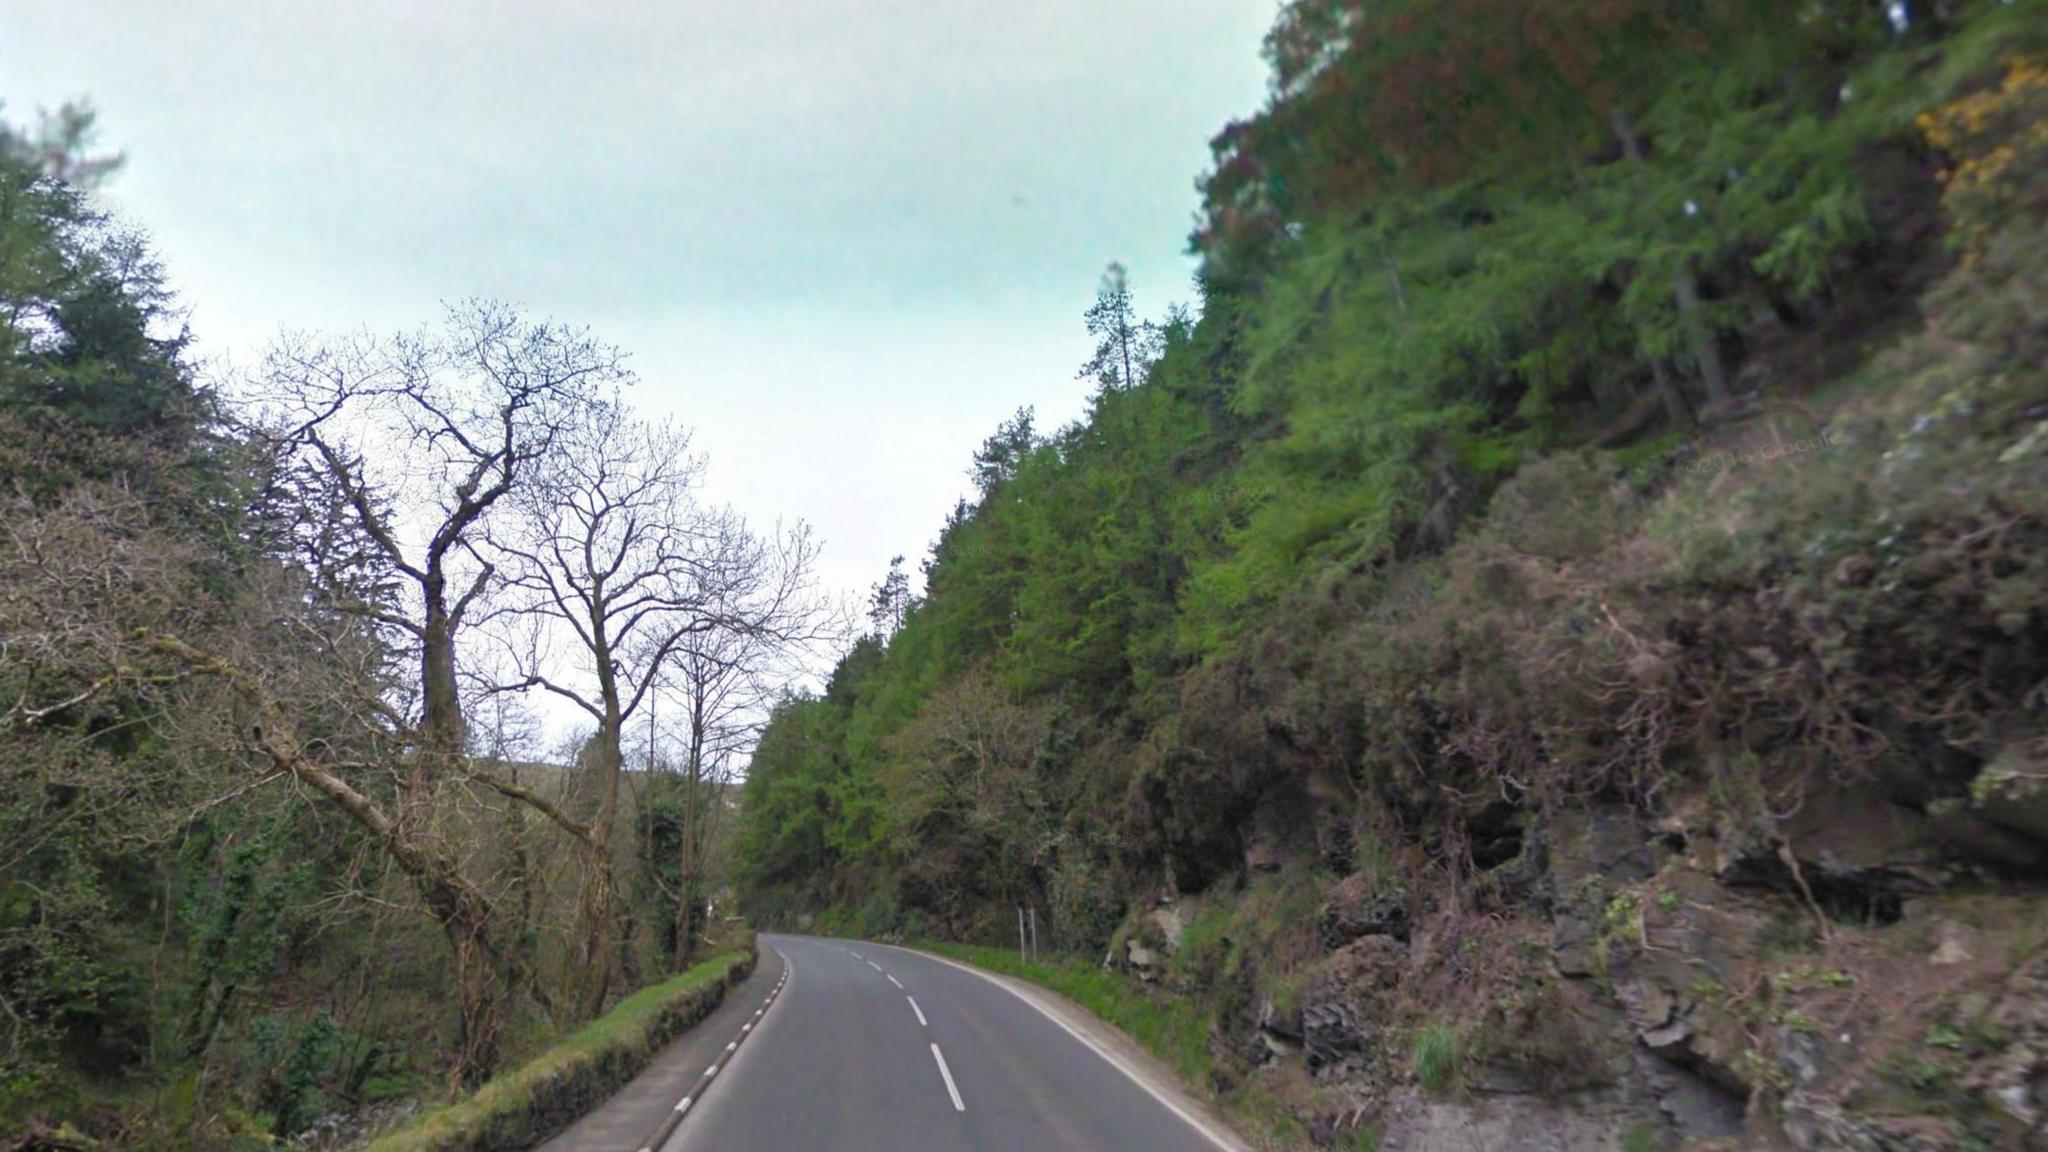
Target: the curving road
(868, 1048)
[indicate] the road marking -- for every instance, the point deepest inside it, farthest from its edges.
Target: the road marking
(893, 980)
(876, 967)
(675, 1118)
(948, 1074)
(1228, 1144)
(919, 1011)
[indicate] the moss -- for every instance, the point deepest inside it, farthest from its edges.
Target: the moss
(526, 1105)
(1641, 1138)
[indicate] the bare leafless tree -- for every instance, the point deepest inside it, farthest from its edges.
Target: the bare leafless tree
(617, 565)
(391, 456)
(723, 684)
(419, 438)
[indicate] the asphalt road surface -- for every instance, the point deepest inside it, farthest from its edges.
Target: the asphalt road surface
(867, 1048)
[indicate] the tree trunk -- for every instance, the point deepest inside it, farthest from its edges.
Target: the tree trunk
(686, 920)
(594, 918)
(686, 880)
(1685, 287)
(479, 985)
(1706, 349)
(690, 866)
(441, 703)
(593, 950)
(1675, 408)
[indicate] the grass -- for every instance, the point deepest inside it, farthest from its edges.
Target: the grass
(508, 1110)
(1437, 1056)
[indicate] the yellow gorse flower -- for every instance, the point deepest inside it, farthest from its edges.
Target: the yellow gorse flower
(1996, 141)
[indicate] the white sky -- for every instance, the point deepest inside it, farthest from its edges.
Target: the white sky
(841, 240)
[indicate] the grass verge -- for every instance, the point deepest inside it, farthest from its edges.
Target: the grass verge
(526, 1105)
(1175, 1031)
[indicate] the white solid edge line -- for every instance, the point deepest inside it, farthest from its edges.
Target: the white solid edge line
(947, 1073)
(1115, 1061)
(916, 1009)
(683, 1105)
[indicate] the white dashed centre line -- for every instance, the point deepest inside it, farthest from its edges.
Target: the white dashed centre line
(947, 1074)
(893, 980)
(919, 1011)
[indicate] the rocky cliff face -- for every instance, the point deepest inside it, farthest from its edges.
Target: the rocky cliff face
(1868, 972)
(1708, 813)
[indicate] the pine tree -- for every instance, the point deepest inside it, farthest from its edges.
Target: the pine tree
(1126, 347)
(890, 602)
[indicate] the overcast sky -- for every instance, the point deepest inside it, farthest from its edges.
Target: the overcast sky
(840, 239)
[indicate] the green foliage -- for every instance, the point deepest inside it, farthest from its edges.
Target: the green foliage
(1641, 1138)
(1437, 1057)
(298, 1097)
(1424, 304)
(525, 1104)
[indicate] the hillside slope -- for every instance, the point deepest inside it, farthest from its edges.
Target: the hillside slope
(1556, 656)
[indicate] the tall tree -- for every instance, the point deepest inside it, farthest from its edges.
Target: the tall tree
(61, 146)
(721, 682)
(619, 564)
(1126, 346)
(890, 601)
(996, 461)
(420, 437)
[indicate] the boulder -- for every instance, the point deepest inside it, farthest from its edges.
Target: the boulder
(1356, 909)
(1966, 832)
(2012, 792)
(2013, 1078)
(1853, 851)
(1348, 1002)
(1170, 922)
(1142, 960)
(1676, 993)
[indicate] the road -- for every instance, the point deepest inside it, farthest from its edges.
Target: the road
(868, 1048)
